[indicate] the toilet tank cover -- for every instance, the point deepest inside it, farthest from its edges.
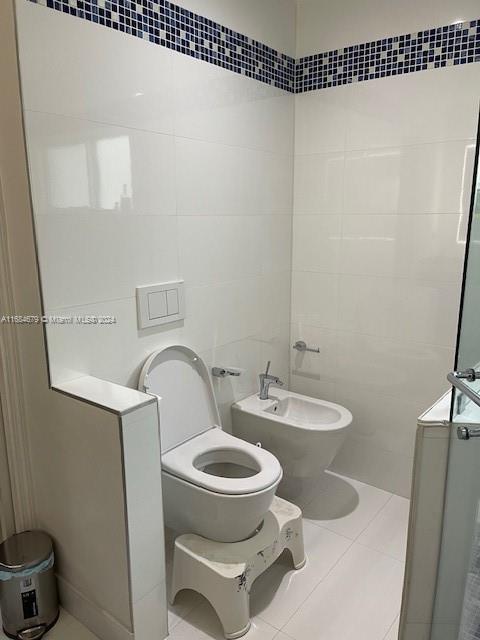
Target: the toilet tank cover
(187, 406)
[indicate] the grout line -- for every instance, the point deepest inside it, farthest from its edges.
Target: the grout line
(382, 553)
(319, 582)
(351, 150)
(390, 627)
(169, 134)
(283, 633)
(395, 339)
(377, 513)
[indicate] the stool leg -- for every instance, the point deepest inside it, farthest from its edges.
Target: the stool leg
(296, 545)
(228, 596)
(231, 603)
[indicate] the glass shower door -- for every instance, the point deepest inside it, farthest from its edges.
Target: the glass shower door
(457, 598)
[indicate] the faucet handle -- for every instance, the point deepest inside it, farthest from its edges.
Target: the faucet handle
(268, 367)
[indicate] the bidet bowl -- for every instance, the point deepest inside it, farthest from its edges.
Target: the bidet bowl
(304, 433)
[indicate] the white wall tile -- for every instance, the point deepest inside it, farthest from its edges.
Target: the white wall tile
(376, 245)
(427, 247)
(389, 470)
(276, 244)
(315, 298)
(317, 243)
(390, 367)
(230, 164)
(217, 179)
(276, 298)
(223, 313)
(90, 257)
(398, 110)
(439, 247)
(381, 422)
(115, 354)
(404, 308)
(319, 183)
(77, 164)
(216, 105)
(217, 249)
(321, 120)
(121, 86)
(433, 178)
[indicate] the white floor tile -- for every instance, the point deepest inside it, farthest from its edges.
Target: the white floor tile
(388, 530)
(203, 624)
(282, 636)
(393, 632)
(280, 591)
(74, 631)
(358, 600)
(67, 628)
(345, 506)
(185, 602)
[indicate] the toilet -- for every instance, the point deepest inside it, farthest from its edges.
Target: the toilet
(214, 484)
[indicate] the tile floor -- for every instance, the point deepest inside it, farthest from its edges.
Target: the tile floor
(350, 589)
(67, 628)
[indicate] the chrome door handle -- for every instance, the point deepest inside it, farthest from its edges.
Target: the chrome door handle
(465, 432)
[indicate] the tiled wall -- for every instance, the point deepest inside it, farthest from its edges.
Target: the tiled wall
(185, 28)
(166, 167)
(148, 165)
(382, 187)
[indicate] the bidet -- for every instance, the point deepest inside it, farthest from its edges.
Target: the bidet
(304, 433)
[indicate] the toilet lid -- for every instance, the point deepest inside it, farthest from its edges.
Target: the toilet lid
(179, 377)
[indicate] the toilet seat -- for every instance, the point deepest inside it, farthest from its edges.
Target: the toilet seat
(182, 462)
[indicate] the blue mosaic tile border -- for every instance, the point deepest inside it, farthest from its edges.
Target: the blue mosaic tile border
(169, 25)
(431, 49)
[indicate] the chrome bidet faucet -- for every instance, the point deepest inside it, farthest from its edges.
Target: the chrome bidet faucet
(265, 381)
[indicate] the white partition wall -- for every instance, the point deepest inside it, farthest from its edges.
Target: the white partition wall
(147, 166)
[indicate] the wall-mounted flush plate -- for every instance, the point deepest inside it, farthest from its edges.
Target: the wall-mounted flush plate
(160, 303)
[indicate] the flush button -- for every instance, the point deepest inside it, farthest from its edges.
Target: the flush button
(160, 303)
(172, 302)
(157, 305)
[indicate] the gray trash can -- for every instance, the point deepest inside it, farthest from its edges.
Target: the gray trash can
(28, 591)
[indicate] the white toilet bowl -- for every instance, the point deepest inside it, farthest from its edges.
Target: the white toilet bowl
(214, 484)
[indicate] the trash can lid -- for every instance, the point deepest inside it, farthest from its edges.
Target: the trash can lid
(25, 550)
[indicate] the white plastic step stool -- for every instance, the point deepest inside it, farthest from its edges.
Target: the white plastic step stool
(223, 572)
